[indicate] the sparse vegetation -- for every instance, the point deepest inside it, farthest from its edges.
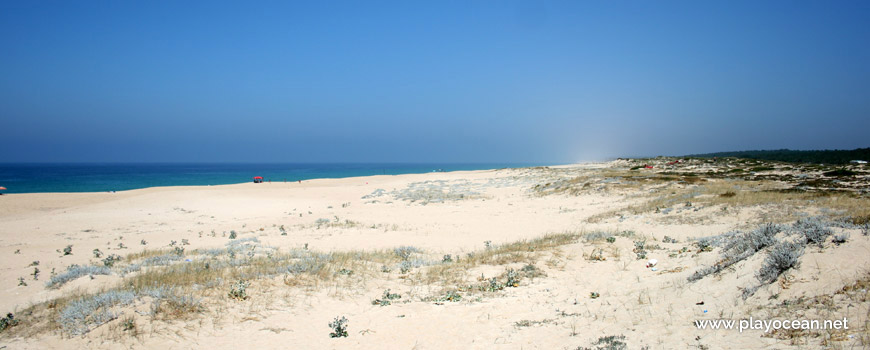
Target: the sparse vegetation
(736, 247)
(180, 283)
(238, 290)
(339, 327)
(386, 299)
(111, 259)
(7, 322)
(781, 258)
(610, 342)
(75, 271)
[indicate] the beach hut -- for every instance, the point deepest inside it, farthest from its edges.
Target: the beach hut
(258, 179)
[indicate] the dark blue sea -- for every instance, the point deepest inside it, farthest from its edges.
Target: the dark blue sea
(29, 178)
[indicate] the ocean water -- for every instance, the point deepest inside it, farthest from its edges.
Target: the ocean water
(31, 178)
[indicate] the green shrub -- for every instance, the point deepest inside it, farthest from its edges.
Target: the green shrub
(339, 327)
(8, 322)
(239, 290)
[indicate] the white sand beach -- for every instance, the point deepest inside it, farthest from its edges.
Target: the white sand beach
(587, 282)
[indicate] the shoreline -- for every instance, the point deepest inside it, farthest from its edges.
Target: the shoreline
(280, 180)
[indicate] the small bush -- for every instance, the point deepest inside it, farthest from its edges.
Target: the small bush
(233, 234)
(67, 250)
(597, 255)
(639, 249)
(129, 325)
(531, 271)
(386, 299)
(597, 236)
(705, 244)
(405, 252)
(513, 278)
(610, 342)
(239, 290)
(451, 296)
(736, 247)
(75, 271)
(110, 260)
(405, 266)
(492, 285)
(339, 327)
(841, 238)
(813, 229)
(97, 253)
(781, 258)
(78, 316)
(8, 322)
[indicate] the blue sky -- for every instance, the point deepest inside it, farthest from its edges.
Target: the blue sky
(410, 81)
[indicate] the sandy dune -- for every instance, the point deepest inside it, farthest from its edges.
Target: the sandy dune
(452, 213)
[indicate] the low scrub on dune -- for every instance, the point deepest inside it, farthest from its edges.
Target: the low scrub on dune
(173, 283)
(783, 246)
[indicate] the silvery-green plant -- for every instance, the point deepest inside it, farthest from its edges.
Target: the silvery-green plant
(238, 290)
(386, 299)
(79, 315)
(513, 278)
(737, 246)
(405, 252)
(841, 238)
(782, 257)
(75, 271)
(405, 266)
(814, 230)
(110, 260)
(339, 327)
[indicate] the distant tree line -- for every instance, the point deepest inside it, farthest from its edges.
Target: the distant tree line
(787, 155)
